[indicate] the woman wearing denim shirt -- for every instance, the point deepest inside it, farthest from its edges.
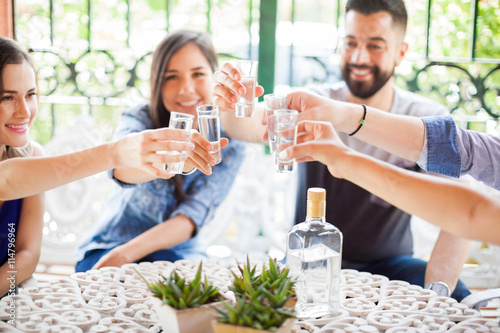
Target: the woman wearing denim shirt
(155, 219)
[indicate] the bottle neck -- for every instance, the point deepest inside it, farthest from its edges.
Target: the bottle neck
(316, 211)
(310, 219)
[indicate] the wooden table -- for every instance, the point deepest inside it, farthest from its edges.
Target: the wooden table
(116, 299)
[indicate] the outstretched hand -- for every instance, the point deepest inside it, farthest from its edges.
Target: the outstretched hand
(317, 141)
(318, 108)
(227, 88)
(139, 150)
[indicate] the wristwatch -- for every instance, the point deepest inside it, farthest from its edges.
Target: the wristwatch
(440, 288)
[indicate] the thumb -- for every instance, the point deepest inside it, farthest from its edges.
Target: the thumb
(223, 143)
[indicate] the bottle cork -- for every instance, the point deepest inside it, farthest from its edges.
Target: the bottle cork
(316, 202)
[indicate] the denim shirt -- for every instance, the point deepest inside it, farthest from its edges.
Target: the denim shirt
(455, 151)
(440, 153)
(136, 208)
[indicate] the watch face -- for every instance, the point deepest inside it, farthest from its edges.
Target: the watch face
(440, 289)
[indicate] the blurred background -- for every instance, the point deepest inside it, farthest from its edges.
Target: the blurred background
(94, 58)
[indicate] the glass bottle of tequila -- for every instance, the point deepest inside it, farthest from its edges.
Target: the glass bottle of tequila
(313, 254)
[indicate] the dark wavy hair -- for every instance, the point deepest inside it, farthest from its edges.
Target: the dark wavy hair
(11, 53)
(396, 8)
(172, 43)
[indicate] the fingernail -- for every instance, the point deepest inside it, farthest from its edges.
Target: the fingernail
(241, 91)
(283, 155)
(209, 147)
(233, 106)
(209, 170)
(191, 146)
(234, 99)
(212, 162)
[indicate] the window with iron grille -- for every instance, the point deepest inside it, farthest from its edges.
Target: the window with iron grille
(93, 56)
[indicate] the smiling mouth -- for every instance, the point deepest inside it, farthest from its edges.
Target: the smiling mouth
(361, 72)
(21, 126)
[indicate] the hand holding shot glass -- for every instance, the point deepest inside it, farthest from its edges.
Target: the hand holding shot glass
(285, 128)
(246, 103)
(273, 102)
(209, 127)
(184, 122)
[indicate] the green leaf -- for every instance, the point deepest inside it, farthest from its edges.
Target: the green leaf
(197, 278)
(182, 303)
(193, 294)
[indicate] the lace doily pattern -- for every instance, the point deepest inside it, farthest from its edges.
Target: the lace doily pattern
(372, 303)
(117, 300)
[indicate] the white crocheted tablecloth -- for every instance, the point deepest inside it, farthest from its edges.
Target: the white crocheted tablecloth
(116, 299)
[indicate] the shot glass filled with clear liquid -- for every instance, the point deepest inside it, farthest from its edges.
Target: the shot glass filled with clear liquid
(272, 103)
(285, 128)
(181, 121)
(246, 103)
(209, 127)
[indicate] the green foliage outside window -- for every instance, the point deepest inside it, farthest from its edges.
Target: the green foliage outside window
(97, 64)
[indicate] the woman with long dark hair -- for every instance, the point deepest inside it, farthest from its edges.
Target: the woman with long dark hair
(150, 219)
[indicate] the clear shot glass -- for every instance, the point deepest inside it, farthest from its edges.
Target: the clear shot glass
(209, 127)
(285, 128)
(184, 122)
(272, 103)
(246, 104)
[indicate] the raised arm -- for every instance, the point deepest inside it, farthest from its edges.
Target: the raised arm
(400, 135)
(23, 177)
(450, 204)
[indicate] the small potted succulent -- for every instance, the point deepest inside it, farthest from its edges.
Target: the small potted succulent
(185, 307)
(264, 303)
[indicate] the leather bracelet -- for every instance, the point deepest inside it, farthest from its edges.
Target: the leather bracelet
(362, 121)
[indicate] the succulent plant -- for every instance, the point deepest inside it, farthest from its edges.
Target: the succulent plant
(247, 281)
(274, 280)
(253, 313)
(260, 299)
(178, 293)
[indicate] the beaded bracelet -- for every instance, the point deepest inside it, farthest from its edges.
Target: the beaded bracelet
(362, 122)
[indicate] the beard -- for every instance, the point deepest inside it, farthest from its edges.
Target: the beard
(363, 89)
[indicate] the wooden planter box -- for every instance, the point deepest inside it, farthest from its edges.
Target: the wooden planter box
(193, 320)
(286, 327)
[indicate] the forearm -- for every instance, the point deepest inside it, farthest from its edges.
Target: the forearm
(132, 176)
(400, 135)
(23, 177)
(443, 202)
(20, 268)
(7, 279)
(163, 236)
(447, 259)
